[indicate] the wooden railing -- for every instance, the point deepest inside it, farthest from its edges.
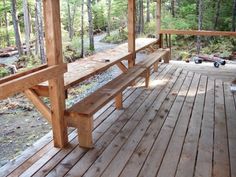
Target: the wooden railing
(168, 32)
(198, 33)
(25, 80)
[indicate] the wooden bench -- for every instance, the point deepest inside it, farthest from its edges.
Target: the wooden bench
(81, 113)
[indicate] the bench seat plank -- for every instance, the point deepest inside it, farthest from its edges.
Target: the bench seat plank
(154, 57)
(83, 111)
(98, 99)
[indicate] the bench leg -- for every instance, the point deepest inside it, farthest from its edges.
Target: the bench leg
(167, 57)
(147, 78)
(156, 66)
(118, 101)
(85, 128)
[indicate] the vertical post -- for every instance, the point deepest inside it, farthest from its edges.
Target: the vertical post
(158, 16)
(85, 130)
(54, 57)
(118, 101)
(131, 31)
(147, 78)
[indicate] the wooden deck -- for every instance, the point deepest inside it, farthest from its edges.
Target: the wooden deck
(184, 125)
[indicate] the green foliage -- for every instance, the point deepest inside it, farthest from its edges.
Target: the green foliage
(150, 28)
(168, 22)
(99, 19)
(28, 62)
(3, 72)
(116, 38)
(223, 46)
(119, 8)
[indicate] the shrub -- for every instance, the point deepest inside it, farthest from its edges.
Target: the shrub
(3, 72)
(116, 38)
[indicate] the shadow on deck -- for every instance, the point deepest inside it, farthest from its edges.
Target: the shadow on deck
(184, 125)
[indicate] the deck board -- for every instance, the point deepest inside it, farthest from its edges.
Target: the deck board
(182, 126)
(187, 159)
(231, 124)
(221, 156)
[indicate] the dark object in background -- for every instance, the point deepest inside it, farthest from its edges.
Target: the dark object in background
(216, 60)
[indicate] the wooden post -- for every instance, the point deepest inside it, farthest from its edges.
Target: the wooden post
(147, 78)
(131, 31)
(54, 57)
(156, 66)
(170, 45)
(85, 129)
(158, 16)
(167, 57)
(118, 101)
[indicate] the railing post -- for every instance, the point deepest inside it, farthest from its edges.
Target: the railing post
(54, 57)
(158, 22)
(131, 32)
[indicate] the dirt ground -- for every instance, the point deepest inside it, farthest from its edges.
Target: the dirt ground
(21, 126)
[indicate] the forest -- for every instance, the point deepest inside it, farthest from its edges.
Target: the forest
(22, 26)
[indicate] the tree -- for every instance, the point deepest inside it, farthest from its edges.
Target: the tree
(140, 24)
(26, 25)
(69, 21)
(217, 14)
(173, 4)
(6, 23)
(200, 18)
(109, 17)
(90, 21)
(16, 27)
(148, 11)
(39, 29)
(234, 17)
(82, 29)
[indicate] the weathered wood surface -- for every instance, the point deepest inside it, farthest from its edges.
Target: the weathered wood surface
(85, 68)
(225, 73)
(183, 125)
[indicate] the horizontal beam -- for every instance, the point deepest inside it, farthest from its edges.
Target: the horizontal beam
(199, 33)
(21, 74)
(27, 81)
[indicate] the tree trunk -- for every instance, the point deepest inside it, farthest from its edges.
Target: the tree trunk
(173, 8)
(26, 25)
(109, 18)
(16, 27)
(148, 11)
(69, 21)
(234, 17)
(82, 29)
(6, 23)
(90, 21)
(200, 18)
(40, 32)
(217, 14)
(36, 33)
(140, 25)
(73, 16)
